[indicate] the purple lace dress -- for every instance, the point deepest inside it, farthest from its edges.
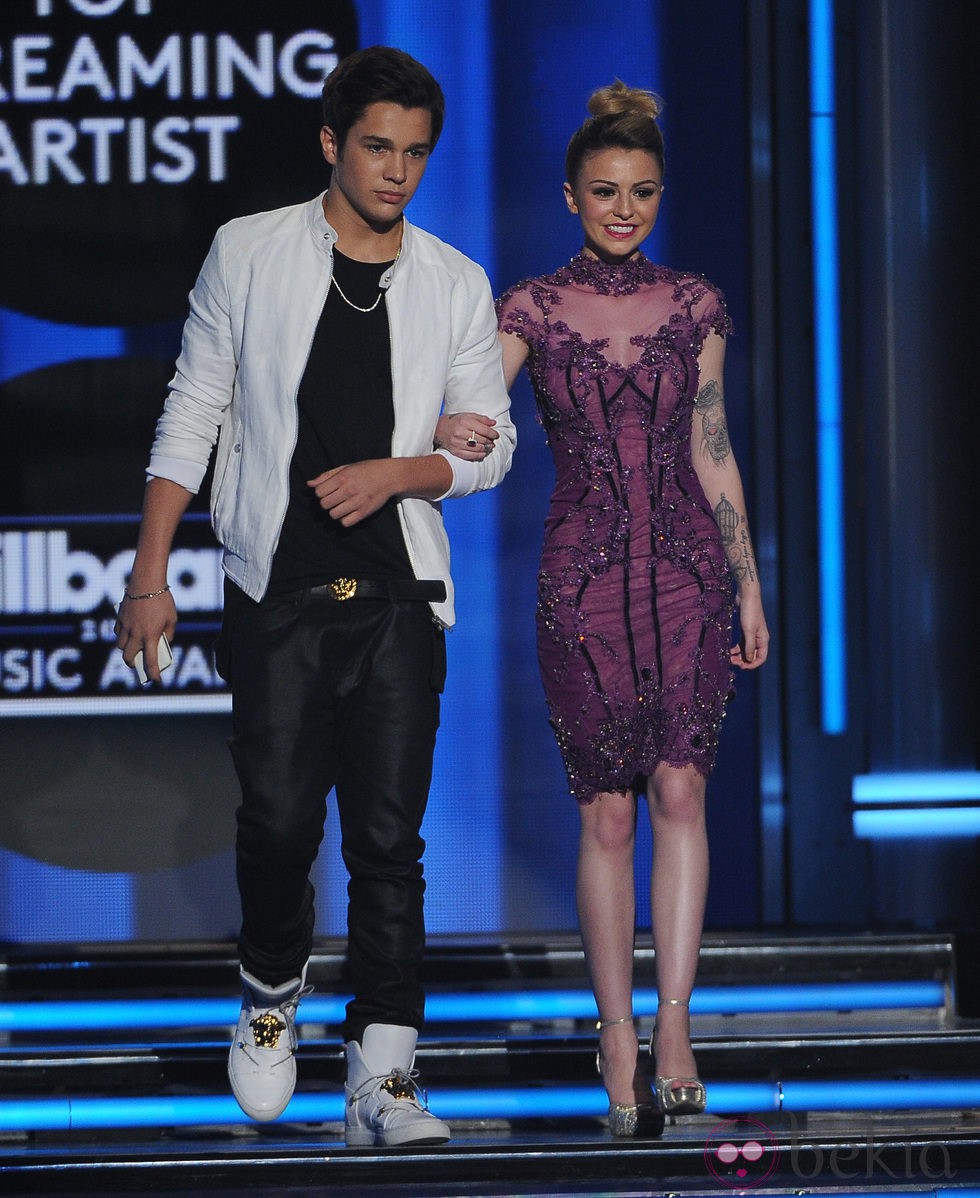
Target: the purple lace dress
(634, 611)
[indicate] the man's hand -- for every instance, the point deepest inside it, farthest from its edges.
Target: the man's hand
(352, 493)
(140, 624)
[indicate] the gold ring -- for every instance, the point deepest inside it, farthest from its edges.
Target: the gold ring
(471, 440)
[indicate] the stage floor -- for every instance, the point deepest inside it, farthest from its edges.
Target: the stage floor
(896, 1153)
(847, 1080)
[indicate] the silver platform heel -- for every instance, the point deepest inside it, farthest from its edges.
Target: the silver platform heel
(630, 1119)
(677, 1095)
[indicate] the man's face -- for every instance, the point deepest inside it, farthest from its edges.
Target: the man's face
(380, 166)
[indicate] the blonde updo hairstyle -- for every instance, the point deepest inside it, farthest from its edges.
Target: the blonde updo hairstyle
(623, 118)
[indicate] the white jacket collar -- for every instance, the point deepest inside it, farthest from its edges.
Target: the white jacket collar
(325, 236)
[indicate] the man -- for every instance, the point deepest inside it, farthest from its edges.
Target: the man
(322, 342)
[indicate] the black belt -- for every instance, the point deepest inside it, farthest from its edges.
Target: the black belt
(395, 590)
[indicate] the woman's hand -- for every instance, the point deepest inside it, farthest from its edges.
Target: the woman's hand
(753, 645)
(466, 435)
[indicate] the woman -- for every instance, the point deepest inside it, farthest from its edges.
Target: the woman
(645, 536)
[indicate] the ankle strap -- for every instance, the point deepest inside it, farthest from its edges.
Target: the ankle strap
(674, 1002)
(602, 1024)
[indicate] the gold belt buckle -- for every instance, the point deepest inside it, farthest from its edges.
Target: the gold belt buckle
(343, 588)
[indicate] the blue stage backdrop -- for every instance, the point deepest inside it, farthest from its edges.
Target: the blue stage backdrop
(129, 129)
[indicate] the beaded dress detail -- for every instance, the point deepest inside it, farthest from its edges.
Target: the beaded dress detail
(635, 597)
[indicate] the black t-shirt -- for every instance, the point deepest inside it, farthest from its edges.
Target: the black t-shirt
(346, 414)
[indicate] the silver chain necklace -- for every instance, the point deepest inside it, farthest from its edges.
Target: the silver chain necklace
(349, 303)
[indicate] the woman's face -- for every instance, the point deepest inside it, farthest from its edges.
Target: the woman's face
(616, 197)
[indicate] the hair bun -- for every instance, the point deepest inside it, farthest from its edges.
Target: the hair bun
(618, 99)
(622, 118)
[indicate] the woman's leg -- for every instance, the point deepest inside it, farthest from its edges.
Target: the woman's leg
(607, 911)
(678, 892)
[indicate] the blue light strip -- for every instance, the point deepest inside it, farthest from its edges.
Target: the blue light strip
(900, 1094)
(952, 1191)
(912, 805)
(505, 1006)
(916, 824)
(917, 787)
(827, 369)
(726, 1098)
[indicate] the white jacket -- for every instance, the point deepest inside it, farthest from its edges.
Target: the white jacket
(253, 313)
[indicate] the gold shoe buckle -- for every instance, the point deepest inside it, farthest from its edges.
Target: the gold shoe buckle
(266, 1030)
(343, 588)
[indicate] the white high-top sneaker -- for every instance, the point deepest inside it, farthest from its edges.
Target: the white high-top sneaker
(262, 1060)
(385, 1107)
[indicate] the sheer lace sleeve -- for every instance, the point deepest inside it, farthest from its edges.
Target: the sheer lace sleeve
(711, 312)
(518, 313)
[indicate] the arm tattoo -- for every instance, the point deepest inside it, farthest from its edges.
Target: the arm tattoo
(714, 426)
(737, 542)
(727, 520)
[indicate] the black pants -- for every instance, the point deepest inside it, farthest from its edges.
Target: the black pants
(341, 695)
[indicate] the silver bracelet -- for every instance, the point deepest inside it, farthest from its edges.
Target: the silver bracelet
(148, 595)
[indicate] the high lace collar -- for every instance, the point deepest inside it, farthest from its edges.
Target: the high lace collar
(606, 278)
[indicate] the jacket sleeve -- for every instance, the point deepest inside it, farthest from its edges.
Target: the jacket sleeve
(203, 386)
(476, 384)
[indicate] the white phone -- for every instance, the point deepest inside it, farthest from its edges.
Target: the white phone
(165, 659)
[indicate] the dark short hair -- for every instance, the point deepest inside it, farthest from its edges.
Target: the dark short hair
(379, 74)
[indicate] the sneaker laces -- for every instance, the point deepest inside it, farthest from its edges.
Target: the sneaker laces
(399, 1084)
(266, 1026)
